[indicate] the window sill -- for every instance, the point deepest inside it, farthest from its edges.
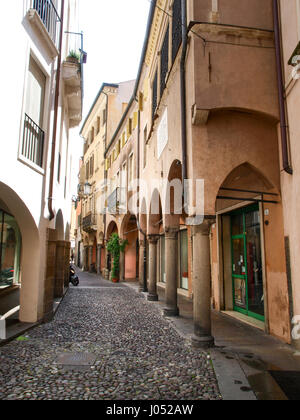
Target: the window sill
(31, 165)
(36, 22)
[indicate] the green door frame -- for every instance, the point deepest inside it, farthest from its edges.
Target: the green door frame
(243, 211)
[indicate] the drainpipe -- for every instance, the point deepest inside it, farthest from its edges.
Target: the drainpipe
(50, 198)
(281, 91)
(183, 89)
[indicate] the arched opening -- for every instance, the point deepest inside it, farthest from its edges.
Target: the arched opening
(20, 257)
(131, 234)
(111, 229)
(60, 226)
(248, 253)
(94, 257)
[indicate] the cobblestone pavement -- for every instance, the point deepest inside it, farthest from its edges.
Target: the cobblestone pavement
(138, 355)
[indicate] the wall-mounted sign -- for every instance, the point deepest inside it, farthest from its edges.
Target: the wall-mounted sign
(162, 134)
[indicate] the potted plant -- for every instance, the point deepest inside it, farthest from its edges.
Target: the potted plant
(115, 246)
(73, 57)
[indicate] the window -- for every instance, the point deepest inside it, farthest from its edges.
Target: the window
(163, 259)
(176, 28)
(49, 16)
(123, 184)
(58, 167)
(154, 95)
(33, 135)
(184, 267)
(98, 125)
(104, 116)
(87, 170)
(131, 170)
(145, 146)
(10, 251)
(164, 62)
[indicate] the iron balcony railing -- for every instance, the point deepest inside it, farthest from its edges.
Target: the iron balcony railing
(89, 222)
(33, 142)
(49, 16)
(113, 202)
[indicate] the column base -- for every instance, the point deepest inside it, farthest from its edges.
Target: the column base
(204, 342)
(170, 312)
(152, 298)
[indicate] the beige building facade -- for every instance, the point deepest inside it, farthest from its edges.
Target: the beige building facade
(289, 13)
(205, 108)
(98, 127)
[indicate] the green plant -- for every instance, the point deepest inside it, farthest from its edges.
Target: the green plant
(74, 54)
(115, 246)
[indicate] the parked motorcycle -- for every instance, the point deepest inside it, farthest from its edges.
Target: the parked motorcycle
(74, 279)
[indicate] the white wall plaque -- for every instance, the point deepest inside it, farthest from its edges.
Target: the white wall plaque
(162, 134)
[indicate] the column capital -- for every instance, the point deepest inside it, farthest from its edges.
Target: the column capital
(204, 228)
(153, 239)
(171, 232)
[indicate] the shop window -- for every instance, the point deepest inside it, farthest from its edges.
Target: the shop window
(163, 259)
(184, 265)
(10, 250)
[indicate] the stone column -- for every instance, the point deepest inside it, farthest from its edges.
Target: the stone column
(60, 269)
(90, 251)
(141, 266)
(99, 250)
(171, 257)
(202, 285)
(152, 296)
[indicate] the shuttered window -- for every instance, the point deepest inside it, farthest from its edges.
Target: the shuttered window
(164, 62)
(176, 28)
(154, 95)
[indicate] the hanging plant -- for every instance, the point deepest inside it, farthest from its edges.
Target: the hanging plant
(115, 246)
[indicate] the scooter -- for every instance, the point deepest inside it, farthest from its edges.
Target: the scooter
(74, 279)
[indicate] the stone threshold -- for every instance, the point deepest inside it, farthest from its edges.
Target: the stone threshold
(252, 322)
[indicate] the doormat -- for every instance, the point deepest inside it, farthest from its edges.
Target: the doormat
(289, 382)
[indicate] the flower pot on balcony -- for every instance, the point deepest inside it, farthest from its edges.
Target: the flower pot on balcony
(115, 280)
(73, 60)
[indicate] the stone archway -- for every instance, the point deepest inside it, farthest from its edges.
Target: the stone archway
(249, 270)
(31, 261)
(129, 232)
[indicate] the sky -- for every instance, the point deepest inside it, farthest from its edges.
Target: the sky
(114, 32)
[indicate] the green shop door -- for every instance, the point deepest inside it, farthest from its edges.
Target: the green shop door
(247, 275)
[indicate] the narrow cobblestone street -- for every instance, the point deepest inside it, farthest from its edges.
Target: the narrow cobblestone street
(136, 354)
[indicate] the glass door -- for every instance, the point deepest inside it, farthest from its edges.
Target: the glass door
(248, 290)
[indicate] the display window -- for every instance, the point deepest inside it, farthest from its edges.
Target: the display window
(10, 251)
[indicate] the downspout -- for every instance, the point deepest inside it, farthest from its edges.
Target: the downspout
(183, 90)
(281, 91)
(50, 198)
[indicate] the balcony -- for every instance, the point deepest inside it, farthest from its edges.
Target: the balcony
(33, 142)
(113, 202)
(89, 223)
(45, 20)
(72, 75)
